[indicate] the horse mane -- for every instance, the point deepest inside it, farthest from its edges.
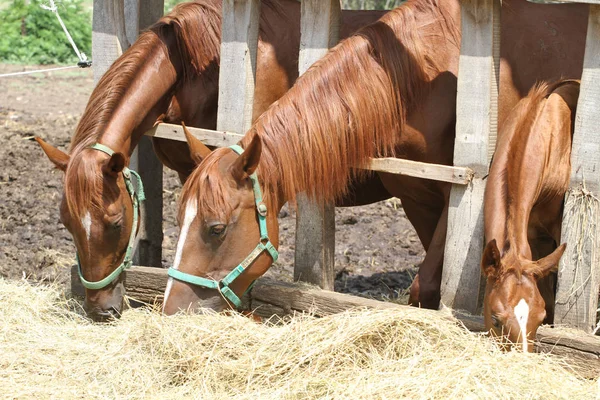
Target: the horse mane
(348, 107)
(196, 27)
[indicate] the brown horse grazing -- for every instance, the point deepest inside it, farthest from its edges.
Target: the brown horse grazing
(388, 90)
(171, 69)
(524, 200)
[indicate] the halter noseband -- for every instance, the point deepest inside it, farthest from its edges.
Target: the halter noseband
(264, 244)
(136, 198)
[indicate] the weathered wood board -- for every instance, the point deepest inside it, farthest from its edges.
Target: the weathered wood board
(315, 223)
(436, 172)
(237, 76)
(579, 269)
(476, 117)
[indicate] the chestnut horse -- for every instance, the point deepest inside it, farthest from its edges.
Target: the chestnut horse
(171, 69)
(524, 200)
(389, 90)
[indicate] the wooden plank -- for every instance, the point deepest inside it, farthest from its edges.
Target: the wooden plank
(476, 122)
(237, 75)
(207, 136)
(143, 160)
(108, 38)
(315, 223)
(436, 172)
(579, 268)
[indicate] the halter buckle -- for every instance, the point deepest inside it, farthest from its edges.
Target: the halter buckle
(261, 208)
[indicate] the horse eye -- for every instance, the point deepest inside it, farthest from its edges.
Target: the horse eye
(496, 322)
(217, 230)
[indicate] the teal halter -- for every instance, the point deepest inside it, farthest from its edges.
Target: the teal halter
(263, 245)
(136, 198)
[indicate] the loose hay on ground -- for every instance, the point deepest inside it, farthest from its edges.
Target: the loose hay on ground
(47, 349)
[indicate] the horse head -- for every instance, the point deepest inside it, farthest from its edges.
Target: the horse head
(514, 308)
(224, 243)
(99, 208)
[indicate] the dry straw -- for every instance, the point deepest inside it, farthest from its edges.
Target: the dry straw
(48, 350)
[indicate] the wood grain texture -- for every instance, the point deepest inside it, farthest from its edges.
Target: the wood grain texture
(207, 136)
(315, 223)
(476, 123)
(579, 268)
(436, 172)
(109, 39)
(237, 74)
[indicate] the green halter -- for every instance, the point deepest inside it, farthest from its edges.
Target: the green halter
(136, 198)
(263, 245)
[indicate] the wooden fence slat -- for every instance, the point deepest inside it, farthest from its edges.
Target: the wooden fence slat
(436, 172)
(476, 117)
(315, 223)
(579, 269)
(237, 74)
(208, 136)
(108, 38)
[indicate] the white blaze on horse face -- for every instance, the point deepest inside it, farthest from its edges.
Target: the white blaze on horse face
(522, 315)
(191, 209)
(86, 222)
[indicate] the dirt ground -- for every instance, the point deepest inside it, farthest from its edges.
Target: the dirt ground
(377, 250)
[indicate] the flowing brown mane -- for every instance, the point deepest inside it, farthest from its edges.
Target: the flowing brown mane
(348, 107)
(196, 27)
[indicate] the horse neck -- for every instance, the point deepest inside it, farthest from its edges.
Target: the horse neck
(145, 99)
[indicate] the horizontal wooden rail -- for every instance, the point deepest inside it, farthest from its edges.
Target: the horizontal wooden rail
(437, 172)
(208, 136)
(267, 298)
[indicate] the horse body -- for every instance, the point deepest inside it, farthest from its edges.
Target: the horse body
(390, 91)
(172, 69)
(524, 199)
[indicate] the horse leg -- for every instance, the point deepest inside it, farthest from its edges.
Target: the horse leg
(425, 289)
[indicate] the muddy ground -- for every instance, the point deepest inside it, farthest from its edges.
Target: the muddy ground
(377, 250)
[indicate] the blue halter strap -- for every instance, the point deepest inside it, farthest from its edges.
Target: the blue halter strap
(263, 245)
(136, 198)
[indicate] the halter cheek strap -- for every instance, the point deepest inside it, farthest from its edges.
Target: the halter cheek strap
(136, 198)
(263, 245)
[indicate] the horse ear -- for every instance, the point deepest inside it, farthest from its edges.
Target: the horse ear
(58, 158)
(490, 262)
(544, 266)
(114, 165)
(198, 150)
(247, 163)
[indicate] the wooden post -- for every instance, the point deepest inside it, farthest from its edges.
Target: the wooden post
(109, 39)
(315, 223)
(579, 270)
(476, 124)
(237, 75)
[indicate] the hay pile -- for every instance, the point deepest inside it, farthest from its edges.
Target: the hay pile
(49, 350)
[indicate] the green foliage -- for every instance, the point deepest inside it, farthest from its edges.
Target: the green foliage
(30, 34)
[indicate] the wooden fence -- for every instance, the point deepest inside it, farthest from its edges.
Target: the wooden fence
(477, 108)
